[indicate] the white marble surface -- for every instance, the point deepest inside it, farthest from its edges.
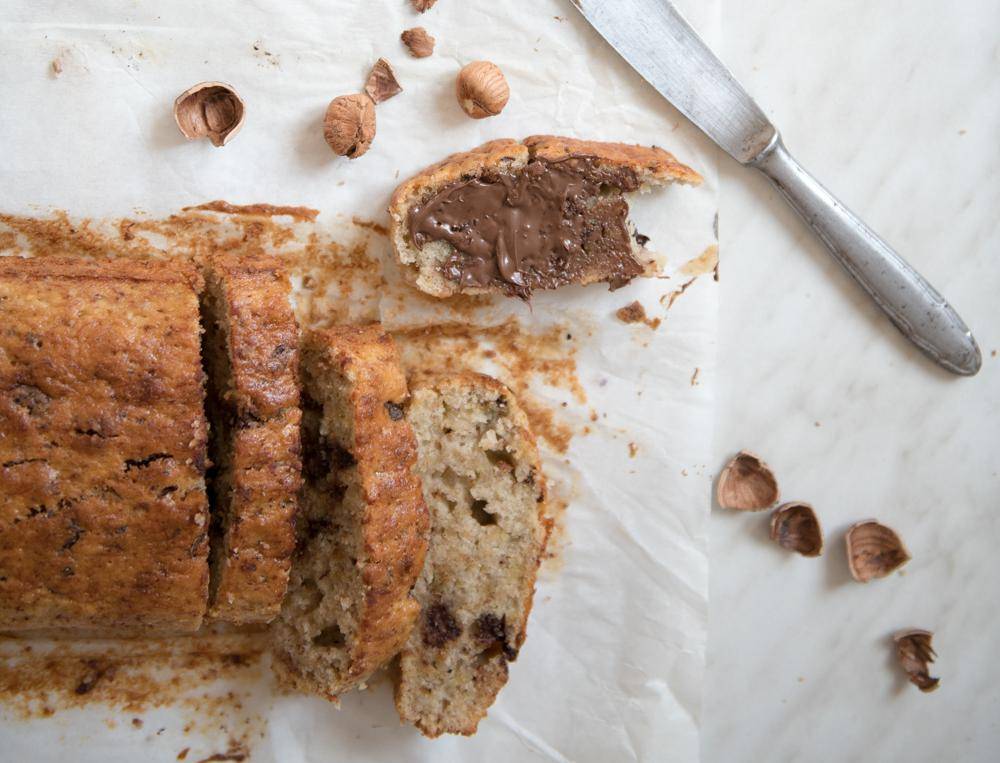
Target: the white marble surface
(895, 105)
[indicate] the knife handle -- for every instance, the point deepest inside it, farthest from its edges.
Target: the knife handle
(912, 304)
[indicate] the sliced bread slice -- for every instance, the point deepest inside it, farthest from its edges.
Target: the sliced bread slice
(363, 523)
(512, 217)
(251, 354)
(483, 484)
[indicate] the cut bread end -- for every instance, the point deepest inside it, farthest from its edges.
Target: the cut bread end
(483, 484)
(363, 523)
(251, 358)
(429, 265)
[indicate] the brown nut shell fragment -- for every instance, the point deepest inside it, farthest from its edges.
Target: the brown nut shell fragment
(747, 484)
(422, 5)
(349, 125)
(874, 551)
(481, 89)
(796, 527)
(382, 83)
(915, 656)
(419, 43)
(212, 110)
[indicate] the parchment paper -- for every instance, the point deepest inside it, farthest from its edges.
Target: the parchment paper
(612, 668)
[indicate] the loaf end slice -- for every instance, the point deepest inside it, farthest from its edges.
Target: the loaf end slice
(251, 354)
(363, 523)
(103, 510)
(483, 484)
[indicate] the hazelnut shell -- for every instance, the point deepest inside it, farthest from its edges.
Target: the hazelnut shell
(419, 43)
(874, 551)
(915, 656)
(382, 83)
(747, 484)
(212, 110)
(796, 527)
(481, 89)
(349, 124)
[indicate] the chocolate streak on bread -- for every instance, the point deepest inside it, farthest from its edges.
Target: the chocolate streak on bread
(539, 228)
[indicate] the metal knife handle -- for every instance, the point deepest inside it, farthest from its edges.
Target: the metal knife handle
(912, 304)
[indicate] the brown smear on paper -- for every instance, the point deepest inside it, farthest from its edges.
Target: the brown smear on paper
(669, 298)
(301, 214)
(371, 225)
(210, 676)
(634, 312)
(556, 504)
(704, 263)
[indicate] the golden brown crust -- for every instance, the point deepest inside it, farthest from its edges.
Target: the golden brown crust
(395, 521)
(263, 333)
(651, 163)
(458, 166)
(104, 517)
(257, 411)
(121, 269)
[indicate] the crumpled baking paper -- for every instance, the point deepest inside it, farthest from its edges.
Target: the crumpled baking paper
(612, 668)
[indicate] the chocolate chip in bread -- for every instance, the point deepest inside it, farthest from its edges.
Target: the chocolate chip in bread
(483, 485)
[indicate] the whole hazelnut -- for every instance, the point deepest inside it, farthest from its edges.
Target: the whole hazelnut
(481, 89)
(349, 124)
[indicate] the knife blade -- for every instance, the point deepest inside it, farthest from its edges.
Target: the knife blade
(653, 37)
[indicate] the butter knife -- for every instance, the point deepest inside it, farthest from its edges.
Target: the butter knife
(653, 37)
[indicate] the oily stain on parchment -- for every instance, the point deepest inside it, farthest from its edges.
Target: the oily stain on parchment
(704, 263)
(338, 278)
(518, 356)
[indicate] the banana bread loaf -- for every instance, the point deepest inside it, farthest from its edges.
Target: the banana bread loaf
(103, 513)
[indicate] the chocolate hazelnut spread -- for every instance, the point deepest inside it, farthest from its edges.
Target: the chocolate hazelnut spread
(548, 224)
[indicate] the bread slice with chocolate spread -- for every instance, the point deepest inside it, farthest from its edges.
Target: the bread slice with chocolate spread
(483, 485)
(513, 217)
